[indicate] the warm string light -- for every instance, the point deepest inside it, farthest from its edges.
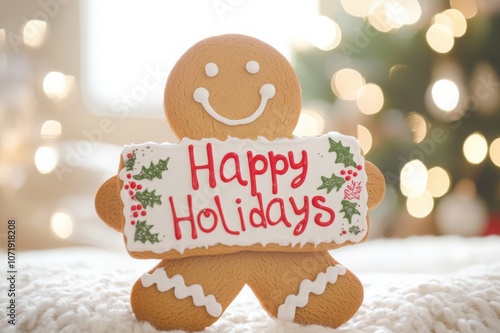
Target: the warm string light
(34, 33)
(475, 148)
(51, 129)
(495, 152)
(323, 33)
(421, 186)
(446, 26)
(46, 159)
(468, 8)
(445, 94)
(365, 139)
(348, 84)
(56, 85)
(61, 224)
(385, 15)
(417, 125)
(310, 123)
(413, 178)
(2, 37)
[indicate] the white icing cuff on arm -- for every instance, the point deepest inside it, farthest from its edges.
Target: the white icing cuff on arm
(286, 311)
(181, 291)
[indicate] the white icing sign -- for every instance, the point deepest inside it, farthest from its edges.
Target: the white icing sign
(243, 192)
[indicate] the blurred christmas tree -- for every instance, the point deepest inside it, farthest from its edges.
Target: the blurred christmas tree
(422, 81)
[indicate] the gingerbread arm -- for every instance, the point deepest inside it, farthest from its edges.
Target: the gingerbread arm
(108, 204)
(375, 185)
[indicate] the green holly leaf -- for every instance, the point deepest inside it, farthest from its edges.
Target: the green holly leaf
(349, 209)
(344, 154)
(130, 162)
(154, 170)
(143, 233)
(332, 182)
(354, 230)
(147, 198)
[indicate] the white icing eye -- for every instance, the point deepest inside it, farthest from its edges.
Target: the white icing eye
(252, 67)
(211, 69)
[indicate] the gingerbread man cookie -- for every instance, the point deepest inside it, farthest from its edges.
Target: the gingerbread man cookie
(240, 200)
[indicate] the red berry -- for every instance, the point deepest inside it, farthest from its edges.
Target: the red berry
(348, 178)
(342, 172)
(130, 192)
(133, 207)
(126, 187)
(139, 207)
(355, 174)
(359, 167)
(133, 184)
(132, 222)
(133, 197)
(344, 232)
(139, 186)
(129, 175)
(238, 201)
(349, 172)
(135, 214)
(129, 155)
(143, 213)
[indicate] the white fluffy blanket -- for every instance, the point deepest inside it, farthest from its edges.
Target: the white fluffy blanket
(424, 284)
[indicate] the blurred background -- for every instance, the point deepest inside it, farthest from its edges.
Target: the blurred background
(417, 82)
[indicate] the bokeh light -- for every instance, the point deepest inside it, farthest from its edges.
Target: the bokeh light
(61, 224)
(413, 178)
(440, 38)
(2, 37)
(467, 7)
(346, 84)
(495, 152)
(365, 139)
(57, 85)
(438, 182)
(46, 159)
(323, 33)
(310, 123)
(34, 33)
(475, 148)
(443, 19)
(370, 99)
(420, 206)
(417, 125)
(458, 21)
(445, 94)
(51, 129)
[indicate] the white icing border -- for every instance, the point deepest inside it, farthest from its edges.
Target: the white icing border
(181, 291)
(286, 311)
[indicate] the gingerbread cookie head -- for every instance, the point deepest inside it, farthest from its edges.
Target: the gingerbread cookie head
(232, 85)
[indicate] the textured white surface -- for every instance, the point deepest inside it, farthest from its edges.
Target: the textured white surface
(414, 285)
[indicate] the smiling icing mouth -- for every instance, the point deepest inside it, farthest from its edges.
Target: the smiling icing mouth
(267, 92)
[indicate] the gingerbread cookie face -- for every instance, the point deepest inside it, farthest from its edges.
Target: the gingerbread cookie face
(232, 85)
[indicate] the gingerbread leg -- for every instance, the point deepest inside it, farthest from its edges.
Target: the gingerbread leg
(309, 288)
(189, 293)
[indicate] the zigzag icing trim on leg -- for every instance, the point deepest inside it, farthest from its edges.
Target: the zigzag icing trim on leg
(286, 311)
(181, 291)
